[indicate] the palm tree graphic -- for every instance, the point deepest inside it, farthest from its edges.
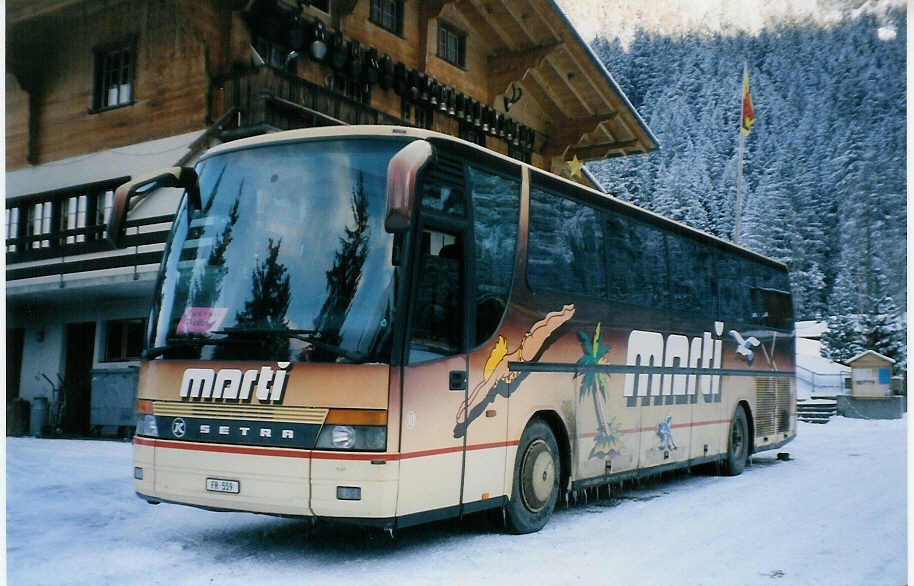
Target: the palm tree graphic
(593, 382)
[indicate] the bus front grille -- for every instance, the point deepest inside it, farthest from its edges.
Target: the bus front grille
(314, 415)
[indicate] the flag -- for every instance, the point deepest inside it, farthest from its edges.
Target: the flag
(748, 114)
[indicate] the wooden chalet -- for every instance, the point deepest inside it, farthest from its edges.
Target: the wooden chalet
(98, 91)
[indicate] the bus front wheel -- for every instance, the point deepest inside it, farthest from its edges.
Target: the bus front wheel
(536, 479)
(738, 444)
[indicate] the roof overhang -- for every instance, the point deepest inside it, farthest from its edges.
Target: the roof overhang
(533, 46)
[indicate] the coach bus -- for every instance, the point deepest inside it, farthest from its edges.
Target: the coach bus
(389, 326)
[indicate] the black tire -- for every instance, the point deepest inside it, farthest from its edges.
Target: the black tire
(536, 479)
(737, 443)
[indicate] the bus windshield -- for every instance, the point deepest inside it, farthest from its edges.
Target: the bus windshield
(287, 259)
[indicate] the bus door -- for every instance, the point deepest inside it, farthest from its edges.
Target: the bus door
(434, 373)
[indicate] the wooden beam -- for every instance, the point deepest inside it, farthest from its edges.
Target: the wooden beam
(483, 24)
(540, 93)
(521, 22)
(602, 87)
(510, 66)
(590, 152)
(567, 81)
(427, 12)
(568, 132)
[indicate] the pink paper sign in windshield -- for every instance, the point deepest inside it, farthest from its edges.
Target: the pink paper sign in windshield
(199, 320)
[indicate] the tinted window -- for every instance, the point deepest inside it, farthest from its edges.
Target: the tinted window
(636, 262)
(566, 245)
(691, 276)
(438, 324)
(496, 205)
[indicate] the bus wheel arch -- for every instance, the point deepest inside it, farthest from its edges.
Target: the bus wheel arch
(751, 423)
(739, 440)
(538, 470)
(555, 423)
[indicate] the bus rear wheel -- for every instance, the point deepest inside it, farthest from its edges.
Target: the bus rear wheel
(738, 444)
(536, 480)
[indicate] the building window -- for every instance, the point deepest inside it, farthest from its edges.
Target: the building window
(452, 44)
(387, 14)
(124, 339)
(114, 76)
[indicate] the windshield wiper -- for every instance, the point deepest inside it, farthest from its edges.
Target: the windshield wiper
(307, 336)
(175, 343)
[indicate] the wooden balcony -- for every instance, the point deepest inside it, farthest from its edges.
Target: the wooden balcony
(68, 226)
(267, 99)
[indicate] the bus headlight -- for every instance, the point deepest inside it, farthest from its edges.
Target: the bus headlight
(146, 425)
(363, 438)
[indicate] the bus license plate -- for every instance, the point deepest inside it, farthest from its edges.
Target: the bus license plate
(222, 485)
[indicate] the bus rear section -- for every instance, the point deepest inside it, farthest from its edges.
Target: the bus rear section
(266, 438)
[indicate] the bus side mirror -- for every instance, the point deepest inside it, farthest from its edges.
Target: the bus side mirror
(402, 171)
(181, 177)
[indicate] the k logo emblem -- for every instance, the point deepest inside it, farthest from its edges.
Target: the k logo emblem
(178, 427)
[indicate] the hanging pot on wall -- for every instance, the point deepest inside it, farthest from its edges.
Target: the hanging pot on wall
(355, 59)
(451, 101)
(412, 83)
(386, 78)
(298, 34)
(372, 66)
(318, 41)
(459, 106)
(338, 53)
(443, 97)
(400, 84)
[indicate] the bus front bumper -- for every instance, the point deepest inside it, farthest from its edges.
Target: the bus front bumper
(273, 481)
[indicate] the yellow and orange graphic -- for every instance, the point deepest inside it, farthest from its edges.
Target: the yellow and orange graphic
(496, 369)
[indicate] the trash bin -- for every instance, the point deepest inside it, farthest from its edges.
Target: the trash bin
(39, 418)
(17, 417)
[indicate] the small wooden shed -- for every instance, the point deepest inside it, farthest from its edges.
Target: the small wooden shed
(871, 375)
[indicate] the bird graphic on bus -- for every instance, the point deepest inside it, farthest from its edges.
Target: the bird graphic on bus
(744, 346)
(496, 369)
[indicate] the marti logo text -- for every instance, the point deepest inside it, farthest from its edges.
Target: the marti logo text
(232, 384)
(699, 353)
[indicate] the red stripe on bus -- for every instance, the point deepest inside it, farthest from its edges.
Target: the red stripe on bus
(654, 427)
(294, 453)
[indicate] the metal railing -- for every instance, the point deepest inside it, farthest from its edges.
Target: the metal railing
(824, 383)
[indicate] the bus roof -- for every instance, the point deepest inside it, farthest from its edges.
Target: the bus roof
(409, 132)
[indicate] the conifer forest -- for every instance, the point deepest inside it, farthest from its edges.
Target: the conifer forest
(823, 166)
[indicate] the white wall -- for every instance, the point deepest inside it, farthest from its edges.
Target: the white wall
(44, 344)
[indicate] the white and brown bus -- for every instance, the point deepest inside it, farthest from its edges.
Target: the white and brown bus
(389, 326)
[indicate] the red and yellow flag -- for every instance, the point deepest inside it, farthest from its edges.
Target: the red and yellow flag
(748, 114)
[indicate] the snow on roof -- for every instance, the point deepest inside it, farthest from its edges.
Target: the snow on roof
(131, 160)
(811, 328)
(876, 354)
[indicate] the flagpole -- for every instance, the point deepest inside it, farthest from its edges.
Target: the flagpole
(739, 164)
(739, 188)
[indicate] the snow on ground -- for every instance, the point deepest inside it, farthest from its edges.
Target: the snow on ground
(834, 514)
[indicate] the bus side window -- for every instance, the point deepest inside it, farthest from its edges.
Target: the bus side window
(496, 206)
(566, 245)
(438, 316)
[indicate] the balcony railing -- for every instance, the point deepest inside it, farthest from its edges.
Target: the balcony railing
(67, 224)
(268, 98)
